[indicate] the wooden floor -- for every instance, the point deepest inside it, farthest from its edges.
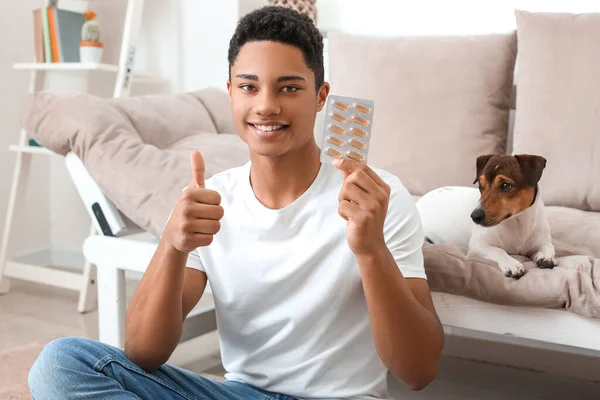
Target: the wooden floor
(34, 312)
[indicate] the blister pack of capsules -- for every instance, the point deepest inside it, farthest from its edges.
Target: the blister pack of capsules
(347, 132)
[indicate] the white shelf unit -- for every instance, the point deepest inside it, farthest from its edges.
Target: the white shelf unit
(110, 68)
(23, 268)
(66, 67)
(30, 149)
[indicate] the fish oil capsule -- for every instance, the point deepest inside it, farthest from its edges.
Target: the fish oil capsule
(361, 108)
(360, 120)
(340, 106)
(357, 144)
(333, 153)
(339, 118)
(335, 141)
(337, 129)
(355, 156)
(359, 132)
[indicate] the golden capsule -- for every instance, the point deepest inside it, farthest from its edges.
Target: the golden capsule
(359, 132)
(360, 120)
(335, 141)
(355, 156)
(357, 143)
(339, 118)
(337, 129)
(340, 106)
(361, 108)
(333, 153)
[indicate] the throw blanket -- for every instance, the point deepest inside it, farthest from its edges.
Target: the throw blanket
(573, 285)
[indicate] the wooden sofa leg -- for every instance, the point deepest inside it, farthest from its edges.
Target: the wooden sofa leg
(111, 305)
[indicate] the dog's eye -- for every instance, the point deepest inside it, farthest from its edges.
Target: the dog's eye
(505, 186)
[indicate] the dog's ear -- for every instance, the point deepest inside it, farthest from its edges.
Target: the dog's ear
(532, 167)
(481, 162)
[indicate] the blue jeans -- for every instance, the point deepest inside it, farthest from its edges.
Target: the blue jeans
(78, 368)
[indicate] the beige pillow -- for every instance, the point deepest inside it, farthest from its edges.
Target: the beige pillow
(439, 101)
(558, 103)
(137, 148)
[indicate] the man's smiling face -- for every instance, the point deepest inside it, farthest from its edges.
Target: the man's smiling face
(273, 96)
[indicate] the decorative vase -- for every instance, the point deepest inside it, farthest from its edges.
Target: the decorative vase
(308, 7)
(90, 52)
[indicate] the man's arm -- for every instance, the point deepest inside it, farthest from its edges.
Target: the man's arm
(166, 294)
(169, 290)
(407, 332)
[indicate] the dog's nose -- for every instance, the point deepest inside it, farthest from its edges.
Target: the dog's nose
(478, 215)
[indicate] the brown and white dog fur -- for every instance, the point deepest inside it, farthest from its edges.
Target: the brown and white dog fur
(505, 217)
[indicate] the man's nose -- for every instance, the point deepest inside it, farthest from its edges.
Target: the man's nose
(267, 104)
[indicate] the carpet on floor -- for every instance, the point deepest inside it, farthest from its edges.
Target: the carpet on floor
(14, 368)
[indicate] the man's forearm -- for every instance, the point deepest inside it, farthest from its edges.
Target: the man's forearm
(154, 317)
(408, 337)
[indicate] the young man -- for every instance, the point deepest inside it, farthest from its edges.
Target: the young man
(316, 270)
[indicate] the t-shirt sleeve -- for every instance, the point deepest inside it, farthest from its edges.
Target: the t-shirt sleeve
(403, 231)
(194, 260)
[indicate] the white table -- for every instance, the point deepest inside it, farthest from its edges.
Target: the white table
(112, 257)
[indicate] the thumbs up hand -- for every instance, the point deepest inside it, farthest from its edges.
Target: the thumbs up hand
(195, 218)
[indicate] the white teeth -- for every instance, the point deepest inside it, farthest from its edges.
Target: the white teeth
(268, 128)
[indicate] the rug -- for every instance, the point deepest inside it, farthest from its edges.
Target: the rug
(14, 368)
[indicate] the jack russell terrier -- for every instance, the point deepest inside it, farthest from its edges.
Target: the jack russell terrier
(506, 216)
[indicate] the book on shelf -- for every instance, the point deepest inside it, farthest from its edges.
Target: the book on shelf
(57, 34)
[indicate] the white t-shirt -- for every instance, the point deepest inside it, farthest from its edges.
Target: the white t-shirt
(291, 312)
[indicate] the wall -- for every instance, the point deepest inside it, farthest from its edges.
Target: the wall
(389, 17)
(15, 17)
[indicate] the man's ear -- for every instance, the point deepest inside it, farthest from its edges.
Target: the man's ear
(322, 95)
(229, 87)
(532, 167)
(481, 162)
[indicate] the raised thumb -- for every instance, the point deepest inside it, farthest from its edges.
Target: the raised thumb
(198, 169)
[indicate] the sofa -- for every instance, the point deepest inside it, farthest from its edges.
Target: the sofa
(439, 103)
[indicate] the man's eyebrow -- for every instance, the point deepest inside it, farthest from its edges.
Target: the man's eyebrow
(284, 78)
(248, 76)
(290, 78)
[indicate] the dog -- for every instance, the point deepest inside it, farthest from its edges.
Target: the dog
(505, 216)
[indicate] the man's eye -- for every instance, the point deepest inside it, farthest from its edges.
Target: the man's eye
(505, 186)
(290, 89)
(247, 88)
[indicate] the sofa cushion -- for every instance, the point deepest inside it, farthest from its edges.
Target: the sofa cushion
(137, 149)
(557, 104)
(439, 101)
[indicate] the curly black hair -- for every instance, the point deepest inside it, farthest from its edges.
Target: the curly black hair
(283, 25)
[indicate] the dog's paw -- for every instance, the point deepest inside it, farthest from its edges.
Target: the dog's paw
(513, 269)
(546, 262)
(544, 258)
